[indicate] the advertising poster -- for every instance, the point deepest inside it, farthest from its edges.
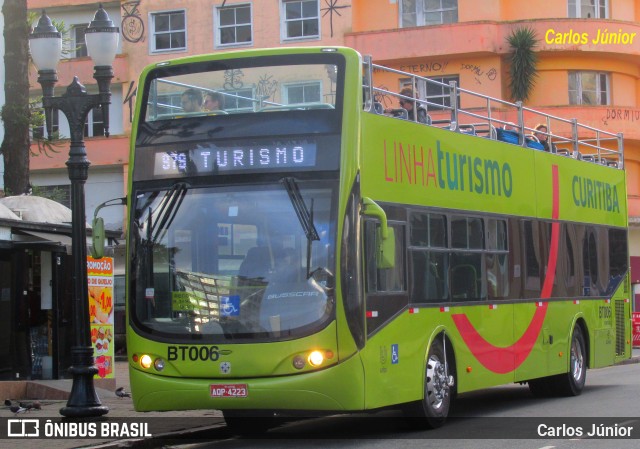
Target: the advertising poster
(100, 277)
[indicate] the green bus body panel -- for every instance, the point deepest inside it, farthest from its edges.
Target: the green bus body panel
(390, 383)
(247, 359)
(413, 164)
(410, 163)
(339, 387)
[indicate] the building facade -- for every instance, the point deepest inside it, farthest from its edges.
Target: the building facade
(588, 66)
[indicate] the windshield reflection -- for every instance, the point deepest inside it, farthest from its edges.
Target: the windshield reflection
(233, 262)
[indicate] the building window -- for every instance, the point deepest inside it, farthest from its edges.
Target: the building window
(302, 93)
(234, 25)
(79, 45)
(169, 31)
(238, 100)
(588, 9)
(169, 103)
(94, 126)
(427, 12)
(300, 19)
(588, 88)
(432, 92)
(40, 132)
(435, 93)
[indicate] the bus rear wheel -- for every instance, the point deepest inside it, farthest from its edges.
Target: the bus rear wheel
(571, 383)
(249, 423)
(432, 411)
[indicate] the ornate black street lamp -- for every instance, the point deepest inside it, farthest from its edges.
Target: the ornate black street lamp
(45, 44)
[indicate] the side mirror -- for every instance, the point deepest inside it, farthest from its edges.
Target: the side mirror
(385, 238)
(97, 237)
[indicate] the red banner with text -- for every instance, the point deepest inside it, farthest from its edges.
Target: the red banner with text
(100, 277)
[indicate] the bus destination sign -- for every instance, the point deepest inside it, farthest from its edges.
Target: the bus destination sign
(210, 158)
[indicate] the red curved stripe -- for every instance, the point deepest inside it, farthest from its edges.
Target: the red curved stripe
(504, 360)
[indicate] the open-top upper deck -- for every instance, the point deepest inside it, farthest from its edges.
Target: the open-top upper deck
(464, 111)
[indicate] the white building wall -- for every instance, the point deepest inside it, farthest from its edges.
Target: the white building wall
(104, 183)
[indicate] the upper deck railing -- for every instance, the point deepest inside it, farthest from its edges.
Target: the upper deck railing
(496, 119)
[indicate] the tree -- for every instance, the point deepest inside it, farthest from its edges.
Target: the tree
(523, 62)
(16, 112)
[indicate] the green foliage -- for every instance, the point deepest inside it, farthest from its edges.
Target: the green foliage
(523, 62)
(45, 146)
(56, 194)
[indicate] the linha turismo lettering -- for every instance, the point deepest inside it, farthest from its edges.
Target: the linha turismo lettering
(455, 171)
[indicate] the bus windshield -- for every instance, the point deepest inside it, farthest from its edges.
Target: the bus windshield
(223, 88)
(234, 262)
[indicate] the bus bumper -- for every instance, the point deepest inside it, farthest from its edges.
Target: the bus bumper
(336, 388)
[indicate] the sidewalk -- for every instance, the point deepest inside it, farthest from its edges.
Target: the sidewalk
(175, 424)
(120, 410)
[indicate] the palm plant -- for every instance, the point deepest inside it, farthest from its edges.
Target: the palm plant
(523, 61)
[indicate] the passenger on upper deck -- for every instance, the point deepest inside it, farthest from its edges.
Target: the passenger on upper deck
(423, 117)
(191, 100)
(214, 101)
(542, 135)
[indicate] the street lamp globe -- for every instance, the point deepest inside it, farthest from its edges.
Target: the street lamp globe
(101, 38)
(45, 44)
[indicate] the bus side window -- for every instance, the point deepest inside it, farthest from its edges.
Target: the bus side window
(429, 276)
(497, 259)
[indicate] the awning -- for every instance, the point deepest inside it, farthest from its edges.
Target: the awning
(29, 237)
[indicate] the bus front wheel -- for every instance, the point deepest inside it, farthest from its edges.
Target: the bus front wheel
(433, 409)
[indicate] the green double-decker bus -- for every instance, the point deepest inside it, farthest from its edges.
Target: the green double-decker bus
(305, 247)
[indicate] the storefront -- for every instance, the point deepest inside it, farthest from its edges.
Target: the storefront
(36, 320)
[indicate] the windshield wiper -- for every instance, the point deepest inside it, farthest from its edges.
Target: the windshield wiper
(168, 210)
(304, 215)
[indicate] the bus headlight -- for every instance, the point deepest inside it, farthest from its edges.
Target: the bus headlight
(145, 361)
(298, 362)
(158, 364)
(316, 358)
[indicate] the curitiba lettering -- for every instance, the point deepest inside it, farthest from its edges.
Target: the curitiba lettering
(594, 194)
(446, 170)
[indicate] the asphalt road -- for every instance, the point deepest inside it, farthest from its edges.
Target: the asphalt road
(506, 417)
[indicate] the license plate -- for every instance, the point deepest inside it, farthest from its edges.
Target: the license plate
(228, 390)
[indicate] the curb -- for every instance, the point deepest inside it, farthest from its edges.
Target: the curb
(215, 431)
(629, 361)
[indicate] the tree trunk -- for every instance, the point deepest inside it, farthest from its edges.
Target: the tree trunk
(15, 113)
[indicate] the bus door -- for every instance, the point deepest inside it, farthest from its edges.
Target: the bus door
(386, 303)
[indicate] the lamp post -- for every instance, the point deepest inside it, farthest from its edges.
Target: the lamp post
(45, 44)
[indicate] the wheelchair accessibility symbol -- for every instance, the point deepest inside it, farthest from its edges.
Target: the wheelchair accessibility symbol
(394, 354)
(230, 305)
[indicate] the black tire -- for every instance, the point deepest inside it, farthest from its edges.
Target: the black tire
(247, 423)
(570, 383)
(432, 411)
(542, 388)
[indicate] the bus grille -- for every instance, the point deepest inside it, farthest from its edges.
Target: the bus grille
(621, 324)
